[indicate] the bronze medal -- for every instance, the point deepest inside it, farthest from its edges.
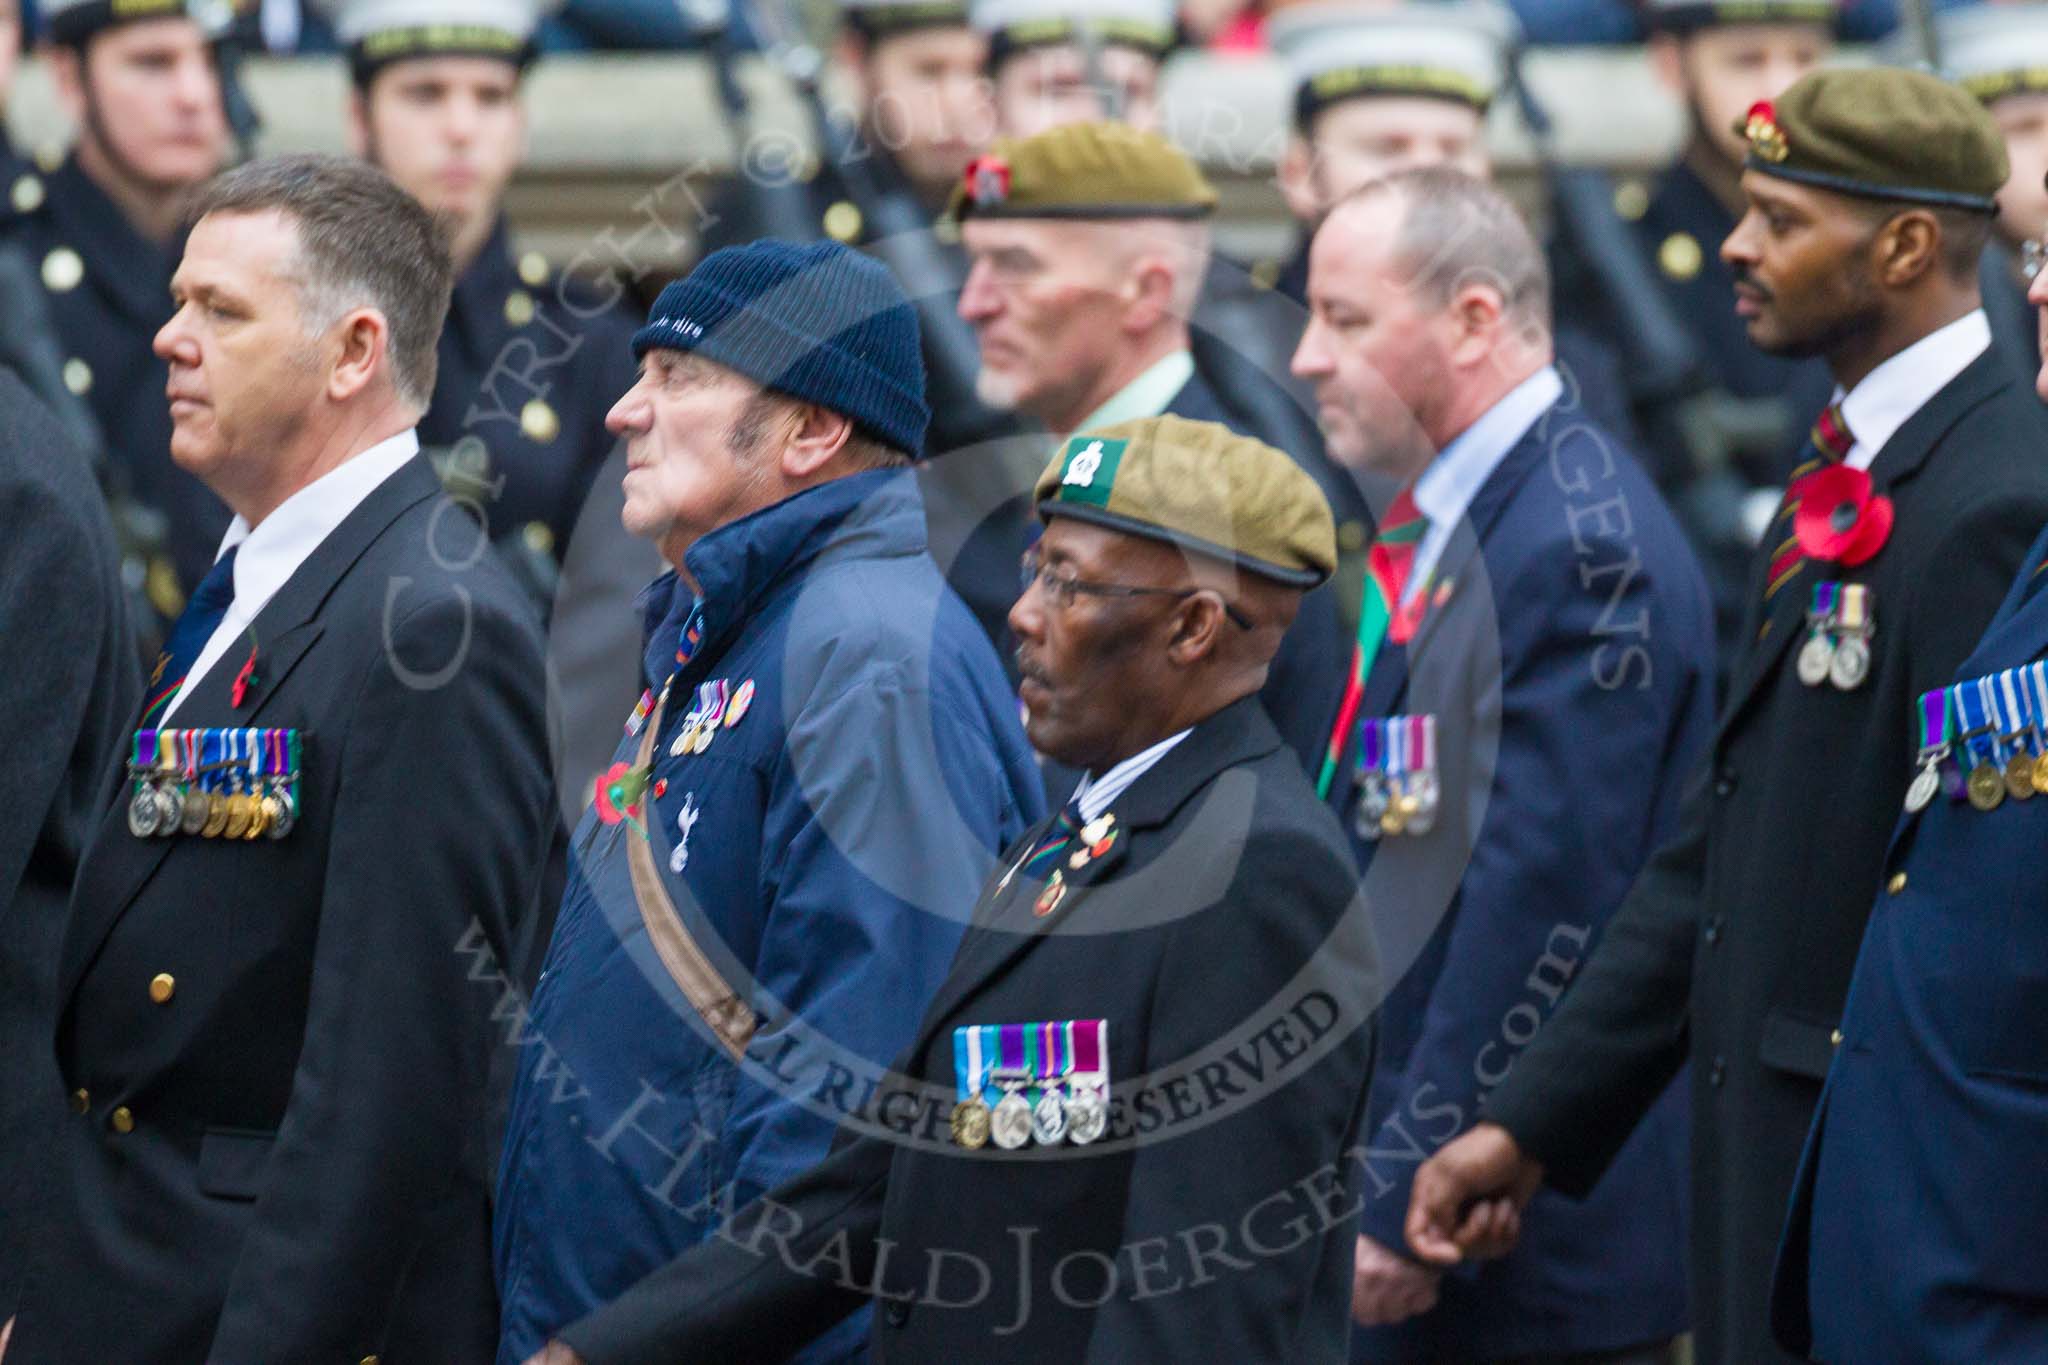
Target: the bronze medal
(216, 814)
(2041, 774)
(971, 1123)
(1987, 787)
(1392, 821)
(2019, 777)
(238, 817)
(258, 821)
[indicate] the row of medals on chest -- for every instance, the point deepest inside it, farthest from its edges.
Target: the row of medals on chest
(1839, 627)
(1987, 783)
(167, 801)
(1079, 1116)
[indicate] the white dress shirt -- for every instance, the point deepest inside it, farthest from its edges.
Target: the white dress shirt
(1097, 794)
(1461, 469)
(272, 552)
(1878, 406)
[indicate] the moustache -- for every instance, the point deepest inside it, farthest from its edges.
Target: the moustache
(1746, 280)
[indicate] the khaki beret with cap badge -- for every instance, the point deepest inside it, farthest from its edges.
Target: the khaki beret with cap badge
(1200, 486)
(1083, 170)
(1880, 133)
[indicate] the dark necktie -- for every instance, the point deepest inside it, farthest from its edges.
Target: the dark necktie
(1058, 837)
(202, 616)
(1828, 443)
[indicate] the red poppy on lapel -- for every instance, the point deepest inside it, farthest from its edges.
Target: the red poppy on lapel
(1838, 519)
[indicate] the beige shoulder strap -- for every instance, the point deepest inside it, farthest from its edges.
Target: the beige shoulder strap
(715, 1002)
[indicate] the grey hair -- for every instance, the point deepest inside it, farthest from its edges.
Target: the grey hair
(363, 243)
(1457, 231)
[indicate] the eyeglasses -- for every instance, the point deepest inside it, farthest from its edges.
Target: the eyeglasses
(2033, 257)
(1060, 589)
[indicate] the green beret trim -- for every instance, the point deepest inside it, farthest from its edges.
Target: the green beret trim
(879, 21)
(1013, 209)
(1870, 189)
(1994, 85)
(1103, 517)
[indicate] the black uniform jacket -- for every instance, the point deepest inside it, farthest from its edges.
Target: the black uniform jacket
(1220, 938)
(274, 1051)
(1738, 940)
(69, 688)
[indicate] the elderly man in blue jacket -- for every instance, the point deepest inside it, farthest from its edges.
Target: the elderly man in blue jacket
(772, 879)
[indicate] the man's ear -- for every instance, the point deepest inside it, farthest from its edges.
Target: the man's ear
(1667, 60)
(365, 345)
(67, 73)
(1906, 248)
(821, 434)
(1198, 624)
(850, 52)
(358, 124)
(1478, 314)
(1298, 180)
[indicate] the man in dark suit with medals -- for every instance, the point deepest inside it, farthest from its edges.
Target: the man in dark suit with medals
(335, 804)
(1087, 248)
(1532, 683)
(1871, 196)
(1125, 1128)
(1915, 1223)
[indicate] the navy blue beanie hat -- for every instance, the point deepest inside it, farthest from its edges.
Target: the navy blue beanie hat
(821, 323)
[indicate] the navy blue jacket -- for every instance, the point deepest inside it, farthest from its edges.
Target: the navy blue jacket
(109, 290)
(1917, 1215)
(1570, 674)
(839, 832)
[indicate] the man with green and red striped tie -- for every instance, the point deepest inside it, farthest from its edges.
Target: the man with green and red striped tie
(1531, 682)
(1871, 197)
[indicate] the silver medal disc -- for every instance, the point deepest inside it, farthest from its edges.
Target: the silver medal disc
(1372, 804)
(1926, 783)
(287, 815)
(142, 817)
(170, 810)
(1049, 1119)
(1010, 1123)
(1423, 787)
(1851, 664)
(197, 808)
(1816, 657)
(1087, 1115)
